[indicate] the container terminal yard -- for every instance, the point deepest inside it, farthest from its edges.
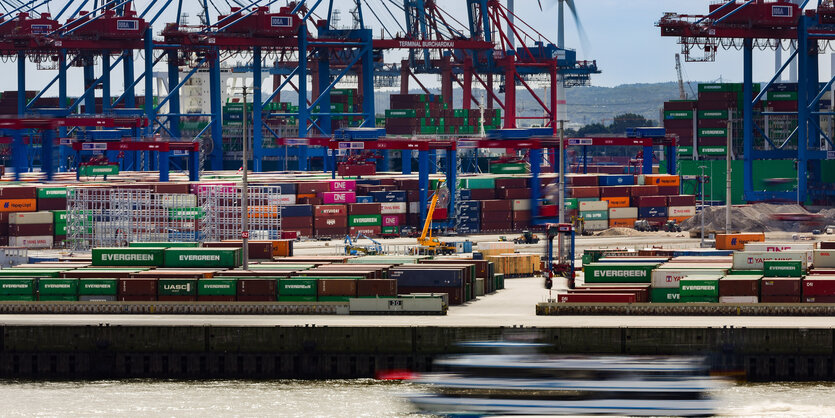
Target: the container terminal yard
(242, 207)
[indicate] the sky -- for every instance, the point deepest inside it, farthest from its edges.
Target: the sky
(622, 37)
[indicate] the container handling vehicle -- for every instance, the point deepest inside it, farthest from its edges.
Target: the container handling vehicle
(353, 247)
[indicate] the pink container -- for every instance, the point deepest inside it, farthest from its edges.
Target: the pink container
(339, 197)
(343, 186)
(391, 220)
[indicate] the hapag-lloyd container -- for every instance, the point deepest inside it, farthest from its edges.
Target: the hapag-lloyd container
(670, 278)
(754, 260)
(151, 257)
(342, 186)
(618, 272)
(339, 197)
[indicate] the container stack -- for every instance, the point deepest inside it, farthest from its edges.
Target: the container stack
(31, 230)
(679, 117)
(427, 114)
(298, 219)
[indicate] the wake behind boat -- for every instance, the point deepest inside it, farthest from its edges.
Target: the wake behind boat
(536, 384)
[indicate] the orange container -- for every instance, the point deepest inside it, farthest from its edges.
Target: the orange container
(263, 212)
(306, 195)
(736, 241)
(680, 219)
(622, 223)
(617, 202)
(662, 180)
(18, 205)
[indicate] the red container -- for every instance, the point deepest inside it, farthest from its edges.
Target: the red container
(331, 232)
(496, 206)
(669, 190)
(641, 292)
(650, 201)
(819, 286)
(712, 123)
(309, 201)
(496, 226)
(371, 231)
(215, 298)
(680, 105)
(17, 192)
(296, 222)
(337, 287)
(580, 180)
(172, 188)
(330, 210)
(780, 286)
(821, 272)
(312, 188)
(739, 286)
(299, 232)
(52, 204)
(29, 230)
(520, 225)
(137, 298)
(440, 213)
(377, 287)
(678, 124)
(326, 222)
(456, 294)
(594, 297)
(364, 209)
(482, 194)
(615, 191)
(513, 193)
(512, 183)
(521, 215)
(548, 210)
(407, 184)
(178, 299)
(819, 299)
(137, 287)
(257, 287)
(579, 192)
(827, 245)
(487, 217)
(682, 200)
(413, 195)
(780, 299)
(649, 190)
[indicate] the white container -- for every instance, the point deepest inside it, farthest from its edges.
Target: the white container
(521, 204)
(597, 225)
(681, 211)
(44, 241)
(753, 260)
(623, 213)
(281, 200)
(414, 207)
(594, 205)
(670, 278)
(778, 247)
(739, 299)
(392, 208)
(479, 286)
(824, 259)
(179, 201)
(30, 218)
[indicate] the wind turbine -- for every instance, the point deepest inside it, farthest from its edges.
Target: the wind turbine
(561, 4)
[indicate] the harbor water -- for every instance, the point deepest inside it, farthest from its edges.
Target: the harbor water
(331, 398)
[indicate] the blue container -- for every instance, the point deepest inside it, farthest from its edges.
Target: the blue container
(646, 132)
(702, 253)
(33, 260)
(616, 180)
(468, 221)
(392, 196)
(296, 211)
(286, 188)
(427, 277)
(370, 182)
(474, 205)
(365, 199)
(466, 194)
(478, 256)
(652, 212)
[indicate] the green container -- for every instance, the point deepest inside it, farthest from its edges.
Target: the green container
(152, 256)
(693, 286)
(284, 298)
(720, 87)
(333, 298)
(18, 286)
(678, 114)
(787, 96)
(713, 114)
(98, 170)
(713, 133)
(401, 113)
(618, 273)
(774, 268)
(59, 216)
(217, 287)
(187, 214)
(746, 273)
(390, 230)
(98, 287)
(164, 244)
(58, 298)
(508, 168)
(365, 220)
(297, 287)
(52, 192)
(177, 287)
(572, 203)
(49, 286)
(60, 228)
(711, 150)
(17, 298)
(29, 273)
(664, 295)
(685, 150)
(477, 183)
(595, 215)
(700, 299)
(203, 257)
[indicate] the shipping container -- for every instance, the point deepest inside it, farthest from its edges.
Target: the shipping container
(50, 286)
(737, 241)
(203, 257)
(780, 268)
(140, 257)
(783, 286)
(665, 295)
(671, 277)
(97, 287)
(298, 286)
(17, 286)
(618, 273)
(596, 298)
(755, 260)
(699, 286)
(176, 287)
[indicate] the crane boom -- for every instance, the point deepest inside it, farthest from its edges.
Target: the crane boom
(428, 224)
(682, 95)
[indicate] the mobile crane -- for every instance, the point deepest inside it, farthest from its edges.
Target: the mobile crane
(427, 244)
